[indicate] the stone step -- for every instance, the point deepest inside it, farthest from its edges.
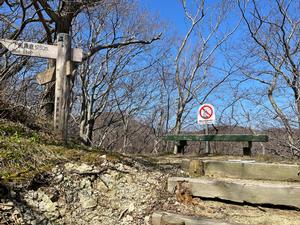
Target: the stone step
(251, 170)
(256, 192)
(165, 218)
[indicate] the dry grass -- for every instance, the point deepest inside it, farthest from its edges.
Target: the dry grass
(25, 152)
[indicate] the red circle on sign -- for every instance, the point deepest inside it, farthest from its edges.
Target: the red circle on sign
(206, 112)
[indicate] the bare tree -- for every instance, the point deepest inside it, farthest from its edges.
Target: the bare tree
(18, 21)
(63, 15)
(111, 35)
(159, 120)
(112, 47)
(274, 30)
(15, 18)
(193, 61)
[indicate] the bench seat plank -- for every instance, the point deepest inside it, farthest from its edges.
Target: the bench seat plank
(216, 137)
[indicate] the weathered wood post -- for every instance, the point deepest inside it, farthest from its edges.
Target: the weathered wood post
(62, 86)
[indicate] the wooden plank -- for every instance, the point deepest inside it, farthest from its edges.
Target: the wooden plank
(38, 50)
(256, 192)
(216, 137)
(160, 218)
(252, 170)
(76, 54)
(46, 76)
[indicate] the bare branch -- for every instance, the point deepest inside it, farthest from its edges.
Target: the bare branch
(54, 16)
(120, 44)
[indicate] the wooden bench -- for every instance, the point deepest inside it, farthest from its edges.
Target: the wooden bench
(181, 139)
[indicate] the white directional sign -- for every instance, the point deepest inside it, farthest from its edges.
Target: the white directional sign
(206, 114)
(38, 50)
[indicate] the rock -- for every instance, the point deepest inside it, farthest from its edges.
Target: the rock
(87, 200)
(131, 207)
(59, 178)
(85, 183)
(75, 195)
(70, 167)
(13, 194)
(128, 218)
(6, 206)
(83, 168)
(33, 222)
(9, 204)
(103, 156)
(96, 221)
(49, 208)
(100, 186)
(56, 170)
(54, 195)
(147, 220)
(120, 166)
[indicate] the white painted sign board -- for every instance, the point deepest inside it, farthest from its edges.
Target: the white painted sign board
(38, 50)
(206, 114)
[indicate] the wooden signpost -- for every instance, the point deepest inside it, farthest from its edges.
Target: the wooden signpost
(65, 56)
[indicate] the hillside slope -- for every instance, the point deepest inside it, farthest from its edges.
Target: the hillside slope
(43, 182)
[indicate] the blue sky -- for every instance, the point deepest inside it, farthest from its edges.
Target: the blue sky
(169, 10)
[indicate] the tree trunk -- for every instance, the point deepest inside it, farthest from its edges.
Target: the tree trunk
(125, 130)
(87, 123)
(297, 103)
(283, 119)
(86, 131)
(89, 132)
(177, 129)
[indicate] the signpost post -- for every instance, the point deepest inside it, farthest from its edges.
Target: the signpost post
(65, 56)
(62, 85)
(206, 115)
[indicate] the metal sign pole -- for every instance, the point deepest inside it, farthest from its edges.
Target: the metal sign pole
(206, 115)
(207, 145)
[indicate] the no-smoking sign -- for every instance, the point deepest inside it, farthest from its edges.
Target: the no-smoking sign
(206, 114)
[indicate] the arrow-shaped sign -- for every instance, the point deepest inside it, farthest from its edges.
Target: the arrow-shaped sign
(38, 50)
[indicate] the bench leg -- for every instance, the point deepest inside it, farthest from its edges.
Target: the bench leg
(180, 147)
(247, 150)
